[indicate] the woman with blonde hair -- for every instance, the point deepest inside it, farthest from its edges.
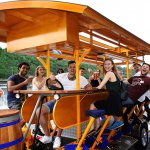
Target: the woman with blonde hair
(39, 81)
(112, 105)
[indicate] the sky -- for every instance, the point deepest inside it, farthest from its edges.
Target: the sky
(133, 15)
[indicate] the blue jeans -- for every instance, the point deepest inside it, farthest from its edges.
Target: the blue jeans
(128, 101)
(50, 105)
(15, 104)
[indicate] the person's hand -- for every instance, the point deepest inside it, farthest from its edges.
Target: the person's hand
(91, 78)
(52, 77)
(90, 72)
(131, 67)
(28, 80)
(98, 87)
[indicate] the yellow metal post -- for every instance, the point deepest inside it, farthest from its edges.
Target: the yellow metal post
(48, 63)
(78, 97)
(85, 133)
(143, 57)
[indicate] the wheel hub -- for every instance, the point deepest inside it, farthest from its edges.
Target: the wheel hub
(144, 137)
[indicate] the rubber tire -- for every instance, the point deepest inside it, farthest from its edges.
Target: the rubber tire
(139, 145)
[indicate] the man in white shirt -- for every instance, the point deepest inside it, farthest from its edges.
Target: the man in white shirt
(68, 80)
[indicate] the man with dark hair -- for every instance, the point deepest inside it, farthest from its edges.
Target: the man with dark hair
(137, 67)
(59, 71)
(138, 88)
(81, 71)
(68, 80)
(144, 70)
(139, 84)
(17, 82)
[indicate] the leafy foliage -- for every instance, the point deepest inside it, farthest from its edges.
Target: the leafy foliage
(9, 64)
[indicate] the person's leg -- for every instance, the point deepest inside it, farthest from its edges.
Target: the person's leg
(97, 120)
(118, 123)
(16, 104)
(46, 109)
(147, 109)
(43, 121)
(128, 101)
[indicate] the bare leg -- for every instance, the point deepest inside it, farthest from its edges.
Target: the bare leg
(97, 123)
(59, 132)
(43, 121)
(116, 118)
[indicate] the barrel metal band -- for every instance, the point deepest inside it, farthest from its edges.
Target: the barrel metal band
(9, 123)
(12, 143)
(10, 118)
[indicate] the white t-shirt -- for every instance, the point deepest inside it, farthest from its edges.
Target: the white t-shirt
(68, 84)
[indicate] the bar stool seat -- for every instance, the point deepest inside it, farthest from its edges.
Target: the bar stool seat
(95, 113)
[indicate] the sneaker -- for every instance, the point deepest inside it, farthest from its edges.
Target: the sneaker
(116, 125)
(46, 139)
(57, 143)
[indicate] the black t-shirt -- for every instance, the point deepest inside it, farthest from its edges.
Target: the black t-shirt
(16, 79)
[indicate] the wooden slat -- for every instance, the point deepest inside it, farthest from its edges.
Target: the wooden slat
(3, 26)
(20, 15)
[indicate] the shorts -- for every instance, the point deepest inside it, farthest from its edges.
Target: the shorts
(129, 101)
(15, 104)
(50, 105)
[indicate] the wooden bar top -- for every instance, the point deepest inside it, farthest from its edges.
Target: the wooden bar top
(57, 91)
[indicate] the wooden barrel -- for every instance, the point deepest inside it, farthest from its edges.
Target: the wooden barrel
(10, 130)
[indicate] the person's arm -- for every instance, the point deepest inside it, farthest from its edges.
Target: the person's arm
(126, 82)
(90, 72)
(52, 77)
(11, 85)
(91, 78)
(88, 87)
(39, 85)
(84, 84)
(106, 78)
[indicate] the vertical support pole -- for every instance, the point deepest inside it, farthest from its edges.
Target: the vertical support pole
(104, 57)
(48, 63)
(127, 64)
(143, 57)
(78, 96)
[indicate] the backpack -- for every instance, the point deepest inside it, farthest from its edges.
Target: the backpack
(124, 91)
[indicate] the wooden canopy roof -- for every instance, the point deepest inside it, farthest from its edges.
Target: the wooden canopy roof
(31, 27)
